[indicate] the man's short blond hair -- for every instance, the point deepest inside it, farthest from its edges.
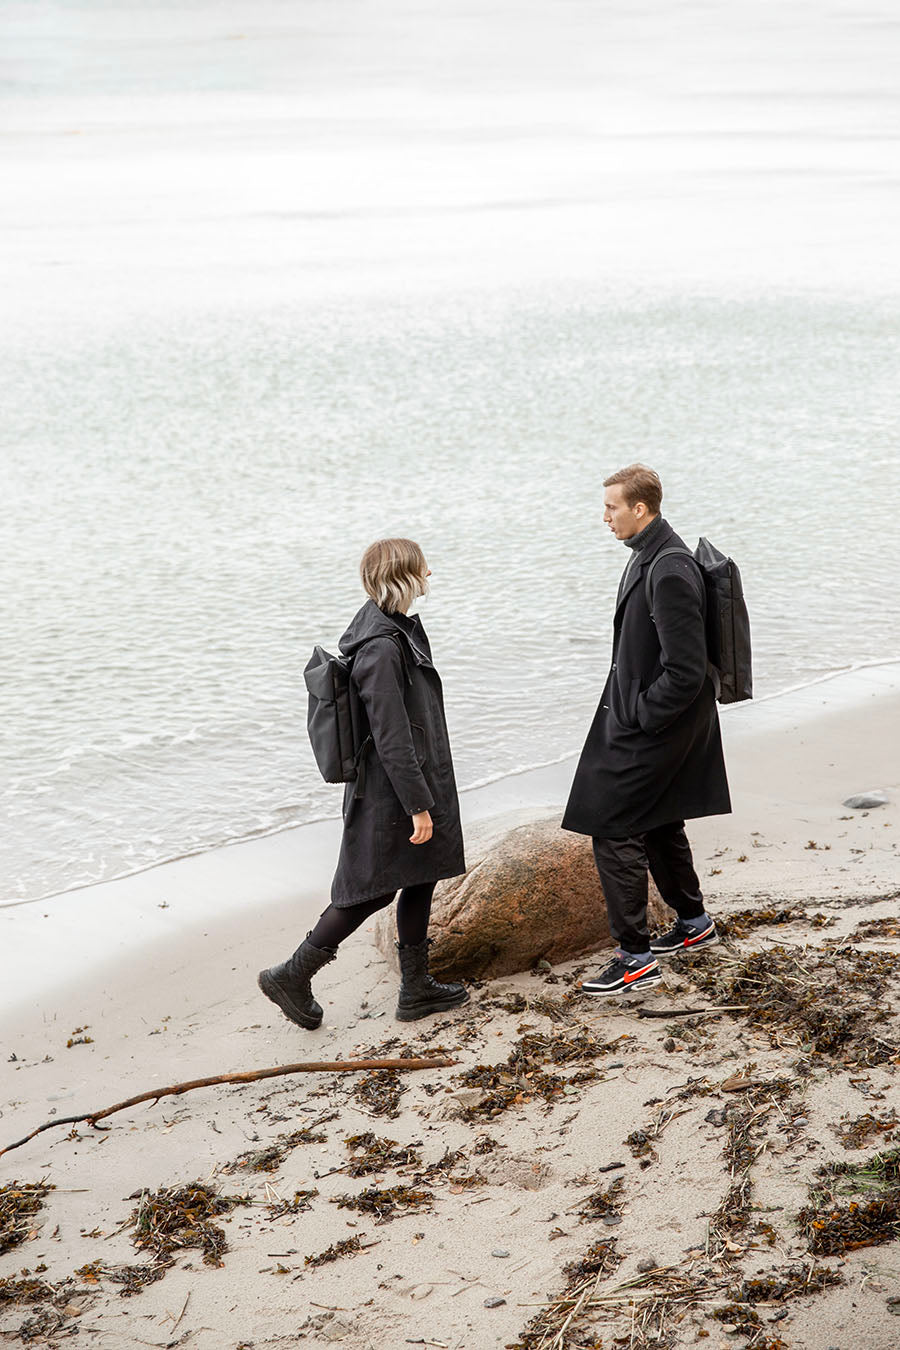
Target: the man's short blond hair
(639, 484)
(394, 574)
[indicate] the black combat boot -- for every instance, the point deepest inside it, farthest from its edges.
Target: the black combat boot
(288, 985)
(420, 993)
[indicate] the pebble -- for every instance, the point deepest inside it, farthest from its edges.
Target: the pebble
(800, 1121)
(494, 1302)
(612, 1219)
(865, 801)
(648, 1263)
(498, 1251)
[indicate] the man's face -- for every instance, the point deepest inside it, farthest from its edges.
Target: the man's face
(625, 521)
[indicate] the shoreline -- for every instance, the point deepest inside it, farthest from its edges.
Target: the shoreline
(286, 875)
(479, 785)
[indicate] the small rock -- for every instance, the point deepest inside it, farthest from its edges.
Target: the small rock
(499, 1251)
(800, 1121)
(619, 1064)
(866, 801)
(494, 1302)
(715, 1117)
(611, 1220)
(648, 1263)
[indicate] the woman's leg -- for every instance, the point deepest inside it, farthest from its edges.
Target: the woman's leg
(413, 913)
(337, 924)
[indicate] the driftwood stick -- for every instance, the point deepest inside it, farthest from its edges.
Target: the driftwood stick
(250, 1076)
(691, 1012)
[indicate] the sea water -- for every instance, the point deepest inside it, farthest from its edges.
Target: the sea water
(284, 279)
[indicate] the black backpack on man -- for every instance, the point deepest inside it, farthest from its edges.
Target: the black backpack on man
(727, 620)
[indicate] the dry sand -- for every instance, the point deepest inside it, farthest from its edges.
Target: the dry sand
(502, 1220)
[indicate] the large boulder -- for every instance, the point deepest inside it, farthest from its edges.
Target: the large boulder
(530, 892)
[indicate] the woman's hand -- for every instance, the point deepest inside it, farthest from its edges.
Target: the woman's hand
(423, 828)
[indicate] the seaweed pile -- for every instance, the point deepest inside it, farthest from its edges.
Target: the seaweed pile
(270, 1158)
(379, 1092)
(784, 990)
(522, 1078)
(346, 1247)
(832, 1227)
(377, 1155)
(20, 1203)
(856, 1133)
(386, 1204)
(175, 1217)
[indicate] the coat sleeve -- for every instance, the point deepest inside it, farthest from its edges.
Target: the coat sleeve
(681, 628)
(379, 676)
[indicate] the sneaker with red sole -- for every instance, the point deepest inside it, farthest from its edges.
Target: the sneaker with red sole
(624, 977)
(683, 938)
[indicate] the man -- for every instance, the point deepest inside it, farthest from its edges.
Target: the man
(653, 756)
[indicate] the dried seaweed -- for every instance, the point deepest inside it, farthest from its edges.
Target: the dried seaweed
(377, 1155)
(19, 1203)
(856, 1133)
(742, 924)
(379, 1092)
(386, 1204)
(346, 1247)
(789, 1282)
(878, 928)
(521, 1077)
(600, 1258)
(300, 1204)
(604, 1203)
(172, 1218)
(25, 1291)
(786, 991)
(843, 1228)
(270, 1158)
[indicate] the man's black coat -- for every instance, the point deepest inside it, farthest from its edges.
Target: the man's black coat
(408, 767)
(654, 752)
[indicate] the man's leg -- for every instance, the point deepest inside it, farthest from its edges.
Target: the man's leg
(672, 868)
(622, 868)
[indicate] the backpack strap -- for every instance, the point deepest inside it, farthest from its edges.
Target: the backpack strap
(663, 553)
(711, 670)
(362, 752)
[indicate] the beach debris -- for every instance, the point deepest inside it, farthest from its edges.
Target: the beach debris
(867, 801)
(521, 1077)
(174, 1217)
(786, 991)
(346, 1247)
(602, 1203)
(832, 1227)
(380, 1092)
(300, 1204)
(500, 1252)
(78, 1038)
(250, 1076)
(742, 923)
(877, 928)
(386, 1204)
(270, 1158)
(20, 1203)
(856, 1133)
(377, 1155)
(788, 1282)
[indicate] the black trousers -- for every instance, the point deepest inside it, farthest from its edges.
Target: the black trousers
(623, 864)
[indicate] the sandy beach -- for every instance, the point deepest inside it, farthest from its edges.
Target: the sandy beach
(634, 1175)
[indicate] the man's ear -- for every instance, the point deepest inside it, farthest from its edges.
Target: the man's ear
(640, 509)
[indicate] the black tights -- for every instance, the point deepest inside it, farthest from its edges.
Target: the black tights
(413, 913)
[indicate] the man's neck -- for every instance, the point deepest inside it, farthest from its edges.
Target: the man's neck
(646, 535)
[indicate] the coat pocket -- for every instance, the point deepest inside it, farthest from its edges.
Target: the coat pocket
(418, 734)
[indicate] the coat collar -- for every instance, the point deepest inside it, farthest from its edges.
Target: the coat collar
(663, 539)
(371, 622)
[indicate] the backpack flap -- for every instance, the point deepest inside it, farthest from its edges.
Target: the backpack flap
(330, 718)
(728, 623)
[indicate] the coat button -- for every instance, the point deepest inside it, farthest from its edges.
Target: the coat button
(614, 665)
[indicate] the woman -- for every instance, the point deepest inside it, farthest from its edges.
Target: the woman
(401, 816)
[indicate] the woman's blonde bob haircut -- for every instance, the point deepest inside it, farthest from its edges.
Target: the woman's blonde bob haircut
(394, 574)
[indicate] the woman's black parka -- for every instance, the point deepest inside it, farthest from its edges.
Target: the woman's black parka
(407, 767)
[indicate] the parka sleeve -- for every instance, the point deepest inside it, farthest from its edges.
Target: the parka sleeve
(379, 675)
(681, 628)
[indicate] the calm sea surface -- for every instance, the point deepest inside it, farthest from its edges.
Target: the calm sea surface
(280, 280)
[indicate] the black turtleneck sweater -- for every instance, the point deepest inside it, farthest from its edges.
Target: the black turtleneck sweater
(636, 543)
